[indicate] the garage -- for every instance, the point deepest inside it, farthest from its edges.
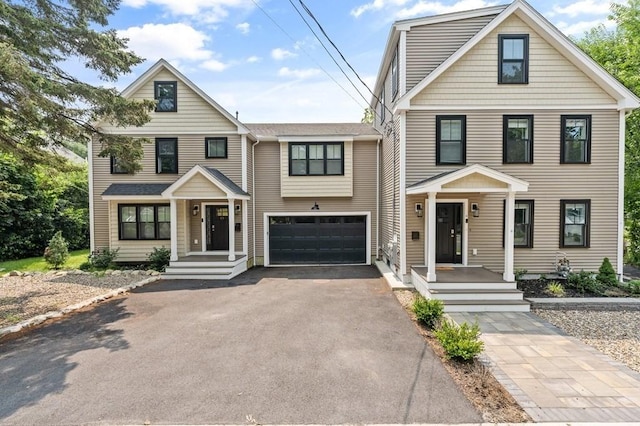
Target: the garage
(317, 240)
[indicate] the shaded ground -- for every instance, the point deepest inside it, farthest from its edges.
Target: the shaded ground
(281, 345)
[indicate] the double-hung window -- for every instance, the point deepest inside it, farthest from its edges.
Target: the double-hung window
(309, 159)
(166, 155)
(215, 147)
(166, 96)
(116, 168)
(451, 139)
(576, 139)
(517, 139)
(513, 58)
(574, 223)
(523, 224)
(144, 222)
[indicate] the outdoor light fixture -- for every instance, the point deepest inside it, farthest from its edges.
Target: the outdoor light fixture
(315, 206)
(419, 210)
(196, 210)
(475, 210)
(238, 208)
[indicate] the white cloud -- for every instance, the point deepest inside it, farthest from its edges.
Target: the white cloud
(583, 7)
(253, 59)
(279, 54)
(579, 28)
(376, 5)
(298, 73)
(169, 41)
(214, 65)
(205, 10)
(244, 27)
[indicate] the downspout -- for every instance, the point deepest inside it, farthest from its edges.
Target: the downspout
(253, 198)
(92, 235)
(378, 200)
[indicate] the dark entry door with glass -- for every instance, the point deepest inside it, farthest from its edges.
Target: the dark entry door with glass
(217, 227)
(449, 233)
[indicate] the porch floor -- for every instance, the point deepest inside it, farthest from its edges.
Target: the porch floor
(461, 274)
(205, 258)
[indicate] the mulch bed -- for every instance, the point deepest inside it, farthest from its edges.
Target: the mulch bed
(538, 288)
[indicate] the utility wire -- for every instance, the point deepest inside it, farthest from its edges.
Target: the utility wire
(307, 53)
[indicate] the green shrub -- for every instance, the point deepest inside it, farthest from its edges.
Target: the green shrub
(519, 273)
(57, 252)
(85, 266)
(159, 258)
(428, 311)
(584, 281)
(606, 274)
(460, 343)
(555, 288)
(103, 259)
(634, 286)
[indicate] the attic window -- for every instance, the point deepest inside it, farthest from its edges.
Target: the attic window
(394, 74)
(513, 58)
(165, 94)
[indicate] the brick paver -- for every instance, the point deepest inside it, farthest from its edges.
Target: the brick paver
(555, 377)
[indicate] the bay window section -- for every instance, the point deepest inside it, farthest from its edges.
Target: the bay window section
(316, 159)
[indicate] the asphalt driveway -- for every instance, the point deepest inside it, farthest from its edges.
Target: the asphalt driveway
(282, 345)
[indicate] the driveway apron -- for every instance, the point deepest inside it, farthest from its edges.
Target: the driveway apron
(282, 345)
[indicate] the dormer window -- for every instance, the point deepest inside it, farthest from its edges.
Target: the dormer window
(513, 59)
(165, 94)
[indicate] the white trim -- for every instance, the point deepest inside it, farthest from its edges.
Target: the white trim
(232, 229)
(174, 229)
(134, 198)
(266, 216)
(245, 228)
(332, 138)
(431, 258)
(402, 63)
(253, 199)
(378, 197)
(465, 227)
(203, 226)
(168, 193)
(407, 24)
(621, 159)
(243, 149)
(509, 221)
(501, 108)
(403, 196)
(92, 224)
(186, 223)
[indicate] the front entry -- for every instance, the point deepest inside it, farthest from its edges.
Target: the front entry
(449, 233)
(217, 227)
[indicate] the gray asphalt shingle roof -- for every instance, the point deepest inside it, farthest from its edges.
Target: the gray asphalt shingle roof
(312, 129)
(136, 188)
(222, 178)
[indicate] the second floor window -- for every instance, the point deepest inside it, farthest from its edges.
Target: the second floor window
(166, 155)
(513, 59)
(576, 139)
(382, 106)
(451, 139)
(215, 147)
(117, 169)
(316, 159)
(517, 139)
(394, 75)
(165, 94)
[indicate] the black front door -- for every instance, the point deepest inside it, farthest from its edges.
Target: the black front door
(217, 226)
(449, 233)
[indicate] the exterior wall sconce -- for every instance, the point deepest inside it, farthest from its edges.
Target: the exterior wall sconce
(315, 206)
(195, 210)
(238, 209)
(475, 210)
(419, 210)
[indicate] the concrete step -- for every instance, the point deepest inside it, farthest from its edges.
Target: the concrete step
(501, 285)
(476, 294)
(203, 270)
(486, 306)
(196, 276)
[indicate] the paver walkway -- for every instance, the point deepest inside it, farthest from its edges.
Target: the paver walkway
(555, 377)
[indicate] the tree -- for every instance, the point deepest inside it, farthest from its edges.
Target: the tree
(57, 251)
(618, 51)
(369, 116)
(41, 103)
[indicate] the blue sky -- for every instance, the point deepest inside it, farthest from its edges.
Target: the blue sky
(234, 51)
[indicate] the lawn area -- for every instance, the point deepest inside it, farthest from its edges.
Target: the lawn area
(76, 258)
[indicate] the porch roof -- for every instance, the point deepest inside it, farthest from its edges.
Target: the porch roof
(134, 190)
(474, 178)
(223, 185)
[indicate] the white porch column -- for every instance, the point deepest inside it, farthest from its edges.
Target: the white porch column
(173, 208)
(431, 235)
(245, 228)
(232, 230)
(509, 219)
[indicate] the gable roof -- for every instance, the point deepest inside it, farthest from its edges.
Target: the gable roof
(215, 176)
(626, 99)
(276, 131)
(163, 64)
(437, 182)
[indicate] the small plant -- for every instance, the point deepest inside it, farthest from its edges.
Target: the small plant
(428, 311)
(519, 273)
(584, 281)
(606, 274)
(555, 288)
(634, 286)
(57, 252)
(462, 342)
(159, 258)
(85, 266)
(103, 259)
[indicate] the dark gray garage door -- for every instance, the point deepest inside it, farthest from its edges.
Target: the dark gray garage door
(317, 239)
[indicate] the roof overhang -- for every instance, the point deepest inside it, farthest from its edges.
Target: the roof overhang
(231, 193)
(446, 182)
(133, 198)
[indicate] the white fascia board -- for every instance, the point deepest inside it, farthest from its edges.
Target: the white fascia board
(168, 193)
(392, 42)
(407, 24)
(513, 183)
(331, 138)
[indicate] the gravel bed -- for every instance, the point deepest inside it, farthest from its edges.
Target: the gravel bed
(23, 297)
(615, 333)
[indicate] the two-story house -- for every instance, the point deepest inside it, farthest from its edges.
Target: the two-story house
(503, 147)
(497, 143)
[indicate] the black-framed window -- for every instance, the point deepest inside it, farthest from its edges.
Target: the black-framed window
(144, 222)
(166, 155)
(394, 75)
(382, 106)
(117, 169)
(574, 223)
(316, 158)
(451, 131)
(513, 58)
(166, 95)
(215, 147)
(517, 143)
(523, 215)
(576, 139)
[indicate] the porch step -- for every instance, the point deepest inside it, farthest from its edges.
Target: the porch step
(203, 270)
(476, 294)
(196, 276)
(486, 306)
(180, 269)
(473, 286)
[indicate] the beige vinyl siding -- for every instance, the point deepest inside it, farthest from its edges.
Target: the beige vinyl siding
(549, 182)
(198, 185)
(316, 186)
(138, 250)
(430, 45)
(390, 188)
(268, 199)
(194, 114)
(473, 79)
